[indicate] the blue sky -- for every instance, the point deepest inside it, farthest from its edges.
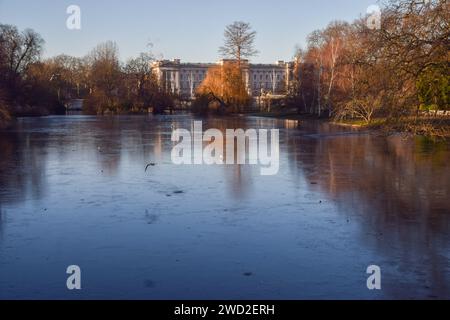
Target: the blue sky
(190, 30)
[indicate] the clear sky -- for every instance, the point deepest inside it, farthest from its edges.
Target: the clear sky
(190, 30)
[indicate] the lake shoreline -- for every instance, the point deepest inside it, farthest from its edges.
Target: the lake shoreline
(437, 127)
(420, 126)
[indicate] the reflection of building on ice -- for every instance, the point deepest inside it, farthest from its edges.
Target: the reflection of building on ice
(261, 79)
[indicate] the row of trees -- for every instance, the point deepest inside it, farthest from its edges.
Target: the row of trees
(353, 71)
(30, 85)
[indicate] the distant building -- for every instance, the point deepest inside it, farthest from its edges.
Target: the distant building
(184, 78)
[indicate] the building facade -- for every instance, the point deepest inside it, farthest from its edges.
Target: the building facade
(184, 78)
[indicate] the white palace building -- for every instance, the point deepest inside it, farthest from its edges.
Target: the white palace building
(184, 78)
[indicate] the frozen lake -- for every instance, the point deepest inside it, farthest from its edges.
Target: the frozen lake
(74, 191)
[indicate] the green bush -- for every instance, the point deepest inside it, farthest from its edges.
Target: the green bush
(433, 86)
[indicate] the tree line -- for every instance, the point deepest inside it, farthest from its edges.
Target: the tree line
(353, 71)
(347, 71)
(30, 85)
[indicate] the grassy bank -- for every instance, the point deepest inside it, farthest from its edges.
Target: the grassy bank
(438, 127)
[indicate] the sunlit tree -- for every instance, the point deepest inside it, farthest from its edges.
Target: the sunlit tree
(224, 84)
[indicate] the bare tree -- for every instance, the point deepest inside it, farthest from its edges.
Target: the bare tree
(239, 41)
(20, 49)
(315, 48)
(138, 79)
